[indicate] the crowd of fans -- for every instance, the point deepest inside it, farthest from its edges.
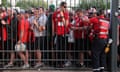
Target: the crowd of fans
(68, 35)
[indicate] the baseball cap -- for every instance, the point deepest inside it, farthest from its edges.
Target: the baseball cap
(52, 7)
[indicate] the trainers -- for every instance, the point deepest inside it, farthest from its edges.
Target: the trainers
(8, 65)
(67, 64)
(38, 65)
(80, 65)
(25, 66)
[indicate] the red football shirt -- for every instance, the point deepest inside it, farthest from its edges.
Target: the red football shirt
(98, 26)
(23, 26)
(4, 30)
(80, 23)
(59, 27)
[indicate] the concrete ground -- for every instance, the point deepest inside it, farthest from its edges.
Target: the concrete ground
(44, 71)
(50, 70)
(41, 71)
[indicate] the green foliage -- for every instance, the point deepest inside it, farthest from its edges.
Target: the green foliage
(102, 4)
(28, 4)
(5, 3)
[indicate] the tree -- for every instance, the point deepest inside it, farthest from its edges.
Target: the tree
(26, 4)
(5, 3)
(102, 4)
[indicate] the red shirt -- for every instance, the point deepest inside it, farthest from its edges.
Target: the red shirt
(31, 37)
(80, 23)
(4, 30)
(100, 26)
(4, 34)
(94, 21)
(59, 26)
(23, 26)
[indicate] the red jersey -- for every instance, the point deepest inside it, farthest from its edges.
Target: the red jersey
(59, 26)
(31, 37)
(23, 26)
(80, 23)
(93, 20)
(100, 27)
(4, 33)
(4, 29)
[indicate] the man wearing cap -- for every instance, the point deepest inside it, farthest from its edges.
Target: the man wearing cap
(49, 30)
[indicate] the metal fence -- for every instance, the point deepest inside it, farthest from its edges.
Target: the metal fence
(68, 58)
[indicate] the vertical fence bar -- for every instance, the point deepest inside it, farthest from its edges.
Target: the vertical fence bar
(113, 21)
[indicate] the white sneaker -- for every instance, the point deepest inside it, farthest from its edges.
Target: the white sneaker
(25, 66)
(38, 65)
(68, 63)
(8, 65)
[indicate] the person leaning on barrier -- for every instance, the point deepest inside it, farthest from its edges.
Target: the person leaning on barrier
(49, 33)
(100, 28)
(10, 32)
(80, 33)
(23, 33)
(1, 37)
(61, 29)
(38, 25)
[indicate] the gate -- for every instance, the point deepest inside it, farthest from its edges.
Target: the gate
(45, 51)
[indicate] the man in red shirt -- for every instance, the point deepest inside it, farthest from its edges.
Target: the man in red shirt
(23, 32)
(60, 28)
(9, 34)
(80, 34)
(100, 32)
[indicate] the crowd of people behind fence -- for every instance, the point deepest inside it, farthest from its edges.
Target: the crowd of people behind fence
(59, 36)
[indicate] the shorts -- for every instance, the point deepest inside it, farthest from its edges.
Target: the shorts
(30, 45)
(27, 45)
(40, 43)
(9, 45)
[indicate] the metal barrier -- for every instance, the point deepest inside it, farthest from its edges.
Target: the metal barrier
(49, 55)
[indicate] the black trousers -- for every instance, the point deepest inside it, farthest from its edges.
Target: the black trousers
(61, 47)
(98, 53)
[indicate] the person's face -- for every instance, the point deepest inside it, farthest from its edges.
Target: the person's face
(36, 12)
(94, 15)
(80, 13)
(9, 11)
(26, 15)
(77, 13)
(65, 5)
(21, 15)
(18, 16)
(40, 10)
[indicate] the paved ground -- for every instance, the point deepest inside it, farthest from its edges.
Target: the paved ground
(50, 70)
(46, 71)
